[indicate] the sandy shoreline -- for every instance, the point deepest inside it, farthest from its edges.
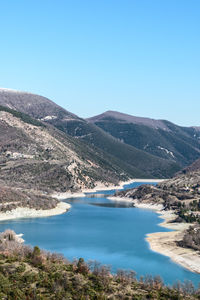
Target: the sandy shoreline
(97, 188)
(156, 207)
(62, 207)
(100, 187)
(149, 180)
(25, 212)
(165, 243)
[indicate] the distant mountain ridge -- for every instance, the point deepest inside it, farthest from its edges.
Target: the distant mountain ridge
(127, 159)
(125, 118)
(160, 138)
(33, 105)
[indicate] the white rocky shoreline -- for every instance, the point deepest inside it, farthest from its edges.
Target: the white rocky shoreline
(63, 207)
(161, 242)
(25, 212)
(165, 242)
(100, 186)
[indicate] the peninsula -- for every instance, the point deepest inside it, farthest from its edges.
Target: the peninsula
(177, 201)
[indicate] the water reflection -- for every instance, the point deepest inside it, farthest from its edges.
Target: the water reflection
(113, 205)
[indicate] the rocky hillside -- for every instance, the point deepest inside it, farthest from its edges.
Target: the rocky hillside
(12, 198)
(182, 188)
(128, 159)
(37, 156)
(193, 167)
(181, 194)
(158, 137)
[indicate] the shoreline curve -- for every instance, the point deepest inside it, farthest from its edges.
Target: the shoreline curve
(25, 212)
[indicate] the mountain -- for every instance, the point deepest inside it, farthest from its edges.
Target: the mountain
(126, 159)
(37, 156)
(124, 118)
(157, 137)
(35, 106)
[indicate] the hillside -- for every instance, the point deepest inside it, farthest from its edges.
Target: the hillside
(12, 198)
(126, 158)
(39, 158)
(124, 118)
(28, 273)
(180, 193)
(158, 137)
(180, 197)
(195, 166)
(33, 105)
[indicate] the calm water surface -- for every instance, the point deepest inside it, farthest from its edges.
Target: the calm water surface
(110, 232)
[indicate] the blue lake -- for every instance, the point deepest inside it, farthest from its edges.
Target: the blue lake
(112, 233)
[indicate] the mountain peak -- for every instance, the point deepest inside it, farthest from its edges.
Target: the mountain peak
(126, 118)
(36, 106)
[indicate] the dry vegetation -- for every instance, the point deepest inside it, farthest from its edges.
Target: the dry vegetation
(191, 238)
(11, 198)
(40, 157)
(27, 273)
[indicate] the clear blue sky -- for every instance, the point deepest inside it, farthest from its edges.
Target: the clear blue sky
(140, 57)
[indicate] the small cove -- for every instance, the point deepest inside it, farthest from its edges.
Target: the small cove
(112, 233)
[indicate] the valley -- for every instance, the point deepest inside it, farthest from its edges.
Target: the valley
(52, 162)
